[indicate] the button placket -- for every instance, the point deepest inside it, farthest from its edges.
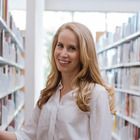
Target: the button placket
(54, 113)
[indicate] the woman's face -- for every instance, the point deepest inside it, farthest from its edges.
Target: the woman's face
(66, 53)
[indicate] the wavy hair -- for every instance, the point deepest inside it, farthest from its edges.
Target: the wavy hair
(88, 75)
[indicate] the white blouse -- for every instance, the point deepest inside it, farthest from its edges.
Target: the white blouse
(63, 120)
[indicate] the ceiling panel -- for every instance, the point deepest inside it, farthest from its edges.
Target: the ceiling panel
(83, 5)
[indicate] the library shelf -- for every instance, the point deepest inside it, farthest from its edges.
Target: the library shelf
(4, 126)
(119, 42)
(4, 61)
(131, 92)
(129, 119)
(124, 65)
(11, 91)
(8, 30)
(115, 136)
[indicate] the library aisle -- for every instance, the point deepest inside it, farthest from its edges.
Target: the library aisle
(119, 58)
(120, 64)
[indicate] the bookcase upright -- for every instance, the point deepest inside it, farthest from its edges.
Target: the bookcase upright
(11, 72)
(120, 66)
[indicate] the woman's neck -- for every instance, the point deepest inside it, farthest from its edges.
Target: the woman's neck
(66, 86)
(66, 82)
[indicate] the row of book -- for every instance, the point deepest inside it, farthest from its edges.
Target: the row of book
(120, 66)
(8, 19)
(126, 29)
(128, 105)
(132, 26)
(9, 49)
(9, 105)
(126, 130)
(10, 78)
(126, 53)
(125, 78)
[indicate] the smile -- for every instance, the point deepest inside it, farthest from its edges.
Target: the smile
(63, 61)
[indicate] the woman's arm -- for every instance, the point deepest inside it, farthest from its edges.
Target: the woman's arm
(100, 116)
(27, 132)
(4, 135)
(29, 129)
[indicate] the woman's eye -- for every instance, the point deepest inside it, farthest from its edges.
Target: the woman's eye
(59, 45)
(72, 48)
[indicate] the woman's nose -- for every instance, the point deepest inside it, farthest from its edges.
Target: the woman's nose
(64, 52)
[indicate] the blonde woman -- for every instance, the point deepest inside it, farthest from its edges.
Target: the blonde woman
(76, 103)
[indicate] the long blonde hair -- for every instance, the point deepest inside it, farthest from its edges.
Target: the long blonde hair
(88, 74)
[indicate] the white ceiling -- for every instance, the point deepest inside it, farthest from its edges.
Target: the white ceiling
(83, 5)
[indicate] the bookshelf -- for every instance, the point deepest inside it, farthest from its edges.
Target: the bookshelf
(120, 66)
(11, 72)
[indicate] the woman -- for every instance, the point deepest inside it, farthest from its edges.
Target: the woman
(76, 104)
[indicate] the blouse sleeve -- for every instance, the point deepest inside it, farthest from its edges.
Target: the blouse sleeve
(100, 115)
(28, 131)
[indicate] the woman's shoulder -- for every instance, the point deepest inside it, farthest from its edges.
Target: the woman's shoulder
(99, 96)
(98, 90)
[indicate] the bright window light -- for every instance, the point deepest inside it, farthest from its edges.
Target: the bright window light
(19, 17)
